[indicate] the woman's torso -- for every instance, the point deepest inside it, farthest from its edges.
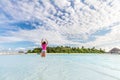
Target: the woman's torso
(44, 46)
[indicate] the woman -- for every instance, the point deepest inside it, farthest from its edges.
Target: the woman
(44, 44)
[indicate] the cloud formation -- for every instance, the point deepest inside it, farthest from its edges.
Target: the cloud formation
(69, 22)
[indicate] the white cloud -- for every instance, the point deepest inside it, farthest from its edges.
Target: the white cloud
(9, 39)
(109, 40)
(68, 22)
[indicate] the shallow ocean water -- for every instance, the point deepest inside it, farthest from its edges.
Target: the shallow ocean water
(60, 67)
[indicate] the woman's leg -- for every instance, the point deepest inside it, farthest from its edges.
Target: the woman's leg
(43, 54)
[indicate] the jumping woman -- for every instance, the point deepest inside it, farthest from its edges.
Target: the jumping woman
(44, 44)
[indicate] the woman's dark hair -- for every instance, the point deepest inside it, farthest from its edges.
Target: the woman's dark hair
(44, 42)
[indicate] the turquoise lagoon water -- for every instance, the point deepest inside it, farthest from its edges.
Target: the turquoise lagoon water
(60, 67)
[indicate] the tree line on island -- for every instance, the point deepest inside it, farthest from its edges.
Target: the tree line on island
(67, 49)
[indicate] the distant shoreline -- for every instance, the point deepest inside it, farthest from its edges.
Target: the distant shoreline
(16, 53)
(10, 53)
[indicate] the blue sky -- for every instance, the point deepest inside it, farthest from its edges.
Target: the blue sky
(70, 22)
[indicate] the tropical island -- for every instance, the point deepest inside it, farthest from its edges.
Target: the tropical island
(67, 49)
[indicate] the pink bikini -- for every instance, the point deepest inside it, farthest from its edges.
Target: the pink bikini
(44, 46)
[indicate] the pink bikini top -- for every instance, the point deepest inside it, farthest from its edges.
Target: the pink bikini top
(44, 46)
